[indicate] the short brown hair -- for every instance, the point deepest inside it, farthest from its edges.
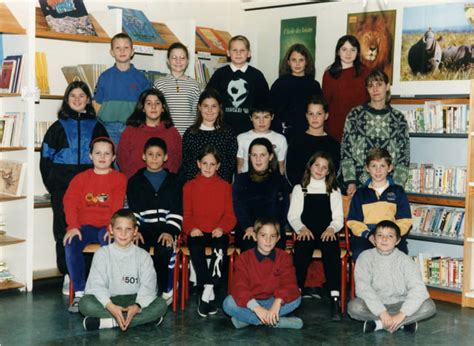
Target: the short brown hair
(242, 38)
(125, 213)
(262, 221)
(120, 35)
(376, 154)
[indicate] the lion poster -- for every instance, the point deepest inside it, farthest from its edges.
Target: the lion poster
(437, 43)
(376, 34)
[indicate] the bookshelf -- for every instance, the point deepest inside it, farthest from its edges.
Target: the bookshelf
(425, 149)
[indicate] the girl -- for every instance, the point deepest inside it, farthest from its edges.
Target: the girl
(260, 192)
(316, 215)
(151, 118)
(374, 125)
(343, 84)
(209, 128)
(181, 91)
(208, 217)
(291, 90)
(64, 153)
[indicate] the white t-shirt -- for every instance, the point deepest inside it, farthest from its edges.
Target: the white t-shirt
(244, 139)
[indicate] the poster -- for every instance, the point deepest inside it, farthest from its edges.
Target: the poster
(376, 34)
(298, 30)
(437, 42)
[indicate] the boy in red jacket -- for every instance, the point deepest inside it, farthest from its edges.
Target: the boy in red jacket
(264, 287)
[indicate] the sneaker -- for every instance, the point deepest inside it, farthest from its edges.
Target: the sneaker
(168, 297)
(411, 327)
(66, 285)
(306, 292)
(91, 323)
(335, 309)
(238, 324)
(369, 327)
(159, 321)
(290, 323)
(316, 292)
(205, 309)
(74, 307)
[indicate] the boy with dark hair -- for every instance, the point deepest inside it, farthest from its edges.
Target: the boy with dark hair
(240, 85)
(389, 288)
(261, 118)
(264, 288)
(155, 196)
(380, 199)
(118, 87)
(121, 289)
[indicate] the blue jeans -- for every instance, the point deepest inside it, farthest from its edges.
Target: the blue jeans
(114, 129)
(247, 316)
(74, 257)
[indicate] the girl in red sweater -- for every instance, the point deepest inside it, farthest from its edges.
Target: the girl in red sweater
(344, 84)
(208, 217)
(151, 118)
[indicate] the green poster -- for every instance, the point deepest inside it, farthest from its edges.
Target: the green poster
(298, 30)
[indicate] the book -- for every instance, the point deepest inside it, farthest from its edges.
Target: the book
(41, 72)
(12, 174)
(67, 16)
(17, 73)
(138, 27)
(88, 73)
(6, 78)
(210, 38)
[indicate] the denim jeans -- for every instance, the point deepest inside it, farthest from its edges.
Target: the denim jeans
(114, 129)
(74, 257)
(247, 316)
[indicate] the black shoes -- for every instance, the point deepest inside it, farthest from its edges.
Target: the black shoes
(335, 309)
(91, 323)
(411, 327)
(204, 309)
(369, 327)
(311, 292)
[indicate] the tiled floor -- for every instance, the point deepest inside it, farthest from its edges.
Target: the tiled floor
(41, 317)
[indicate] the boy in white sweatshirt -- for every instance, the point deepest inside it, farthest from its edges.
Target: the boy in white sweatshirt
(121, 289)
(389, 288)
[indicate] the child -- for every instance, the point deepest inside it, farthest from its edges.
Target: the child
(316, 215)
(302, 147)
(121, 289)
(389, 288)
(262, 191)
(344, 83)
(264, 287)
(240, 85)
(208, 219)
(151, 118)
(154, 195)
(209, 128)
(63, 155)
(118, 87)
(290, 92)
(90, 200)
(261, 119)
(380, 199)
(181, 91)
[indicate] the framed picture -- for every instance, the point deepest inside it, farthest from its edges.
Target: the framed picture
(12, 175)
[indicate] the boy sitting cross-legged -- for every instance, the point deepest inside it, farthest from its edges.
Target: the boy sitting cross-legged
(389, 288)
(121, 289)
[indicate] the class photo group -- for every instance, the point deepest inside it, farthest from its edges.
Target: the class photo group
(271, 172)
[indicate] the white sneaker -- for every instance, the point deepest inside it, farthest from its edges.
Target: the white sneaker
(66, 285)
(168, 297)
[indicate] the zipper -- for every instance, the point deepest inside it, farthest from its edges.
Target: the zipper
(78, 138)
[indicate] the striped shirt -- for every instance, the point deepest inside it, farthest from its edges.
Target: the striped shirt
(182, 96)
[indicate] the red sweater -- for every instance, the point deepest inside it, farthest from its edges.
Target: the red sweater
(133, 139)
(342, 95)
(262, 280)
(207, 204)
(92, 198)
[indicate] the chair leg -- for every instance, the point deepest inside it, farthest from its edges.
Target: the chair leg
(352, 279)
(71, 291)
(175, 282)
(343, 284)
(184, 279)
(230, 274)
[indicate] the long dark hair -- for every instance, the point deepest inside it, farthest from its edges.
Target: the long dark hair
(335, 69)
(138, 117)
(209, 94)
(331, 181)
(273, 164)
(309, 69)
(65, 110)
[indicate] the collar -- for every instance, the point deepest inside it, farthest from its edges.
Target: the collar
(235, 68)
(390, 181)
(206, 128)
(261, 257)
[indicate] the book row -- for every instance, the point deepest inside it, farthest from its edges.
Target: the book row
(11, 74)
(40, 130)
(435, 117)
(437, 221)
(11, 129)
(437, 179)
(442, 271)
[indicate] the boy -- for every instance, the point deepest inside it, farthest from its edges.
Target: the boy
(240, 85)
(154, 195)
(90, 200)
(261, 119)
(118, 87)
(315, 139)
(264, 287)
(121, 289)
(390, 291)
(380, 199)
